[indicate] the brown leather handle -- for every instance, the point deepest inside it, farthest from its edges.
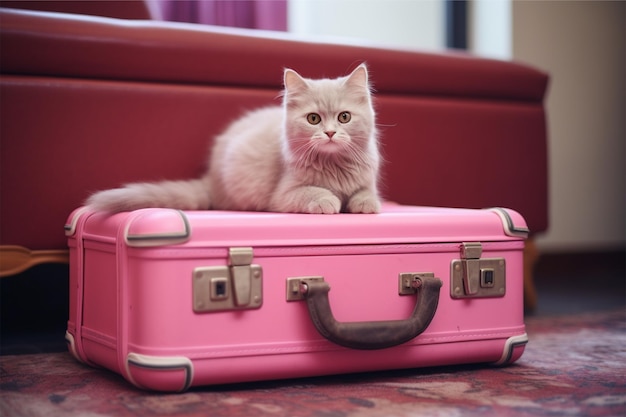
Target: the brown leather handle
(372, 334)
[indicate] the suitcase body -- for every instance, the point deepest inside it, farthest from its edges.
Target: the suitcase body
(173, 299)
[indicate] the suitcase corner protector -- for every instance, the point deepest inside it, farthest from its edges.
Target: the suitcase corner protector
(509, 226)
(159, 373)
(512, 344)
(156, 227)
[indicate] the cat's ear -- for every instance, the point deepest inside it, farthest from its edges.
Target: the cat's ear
(293, 81)
(358, 77)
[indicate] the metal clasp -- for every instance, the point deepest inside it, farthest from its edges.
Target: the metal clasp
(237, 286)
(475, 277)
(240, 260)
(471, 253)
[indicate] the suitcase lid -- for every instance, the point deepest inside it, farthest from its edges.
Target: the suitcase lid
(396, 224)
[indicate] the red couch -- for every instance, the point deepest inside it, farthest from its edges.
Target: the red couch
(89, 103)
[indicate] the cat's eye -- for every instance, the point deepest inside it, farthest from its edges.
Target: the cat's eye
(313, 118)
(344, 117)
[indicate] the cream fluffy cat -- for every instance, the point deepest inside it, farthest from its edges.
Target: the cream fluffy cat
(317, 153)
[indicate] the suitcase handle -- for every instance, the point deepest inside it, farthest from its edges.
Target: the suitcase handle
(372, 334)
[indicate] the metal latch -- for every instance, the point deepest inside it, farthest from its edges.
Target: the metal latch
(476, 277)
(238, 286)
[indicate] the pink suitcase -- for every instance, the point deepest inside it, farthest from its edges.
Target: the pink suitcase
(173, 299)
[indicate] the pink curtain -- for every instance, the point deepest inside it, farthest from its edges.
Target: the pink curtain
(254, 14)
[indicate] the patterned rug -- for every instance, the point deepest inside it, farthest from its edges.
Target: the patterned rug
(573, 366)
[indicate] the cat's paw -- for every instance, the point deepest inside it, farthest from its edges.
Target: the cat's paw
(364, 202)
(328, 204)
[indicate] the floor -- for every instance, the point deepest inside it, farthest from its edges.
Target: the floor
(574, 364)
(33, 305)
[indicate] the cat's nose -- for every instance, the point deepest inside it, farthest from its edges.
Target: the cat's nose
(330, 133)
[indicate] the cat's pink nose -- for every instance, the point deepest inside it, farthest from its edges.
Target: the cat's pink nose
(330, 133)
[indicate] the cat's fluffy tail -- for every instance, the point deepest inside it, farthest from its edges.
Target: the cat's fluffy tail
(183, 195)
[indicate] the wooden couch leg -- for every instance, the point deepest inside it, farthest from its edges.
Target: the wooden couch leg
(531, 254)
(15, 259)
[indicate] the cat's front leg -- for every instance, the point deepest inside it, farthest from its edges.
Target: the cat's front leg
(364, 201)
(307, 199)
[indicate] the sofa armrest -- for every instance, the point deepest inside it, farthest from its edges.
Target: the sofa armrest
(89, 103)
(123, 9)
(142, 50)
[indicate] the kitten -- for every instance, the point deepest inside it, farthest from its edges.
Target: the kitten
(317, 153)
